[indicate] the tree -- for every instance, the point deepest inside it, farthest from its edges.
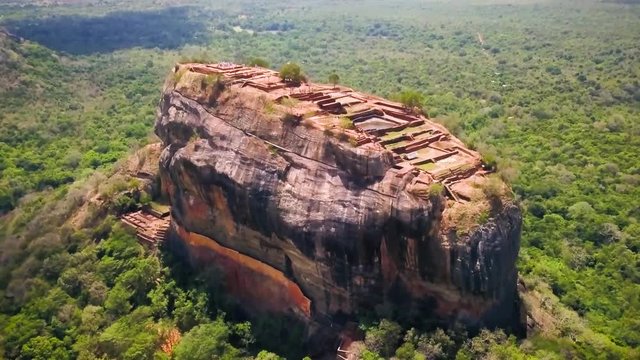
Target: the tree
(265, 355)
(370, 355)
(406, 351)
(117, 302)
(411, 99)
(207, 341)
(18, 330)
(436, 345)
(256, 61)
(45, 348)
(190, 309)
(133, 336)
(292, 73)
(334, 79)
(383, 338)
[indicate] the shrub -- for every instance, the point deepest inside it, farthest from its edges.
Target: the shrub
(493, 190)
(411, 99)
(489, 161)
(289, 102)
(292, 73)
(256, 61)
(484, 217)
(436, 189)
(383, 338)
(123, 203)
(269, 106)
(178, 75)
(334, 79)
(346, 123)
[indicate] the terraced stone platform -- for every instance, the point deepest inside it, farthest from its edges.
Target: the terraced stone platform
(150, 227)
(419, 144)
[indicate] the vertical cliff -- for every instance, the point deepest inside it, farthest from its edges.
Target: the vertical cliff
(310, 206)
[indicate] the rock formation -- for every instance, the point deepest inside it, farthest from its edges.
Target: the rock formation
(303, 200)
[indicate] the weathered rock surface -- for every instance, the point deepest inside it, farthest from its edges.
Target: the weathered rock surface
(302, 223)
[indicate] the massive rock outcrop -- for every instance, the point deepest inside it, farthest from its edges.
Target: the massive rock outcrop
(309, 219)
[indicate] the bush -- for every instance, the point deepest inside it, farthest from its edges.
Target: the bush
(436, 190)
(383, 338)
(292, 73)
(208, 341)
(411, 99)
(334, 79)
(256, 61)
(493, 189)
(123, 204)
(346, 123)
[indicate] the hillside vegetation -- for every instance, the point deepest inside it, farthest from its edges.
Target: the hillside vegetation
(549, 91)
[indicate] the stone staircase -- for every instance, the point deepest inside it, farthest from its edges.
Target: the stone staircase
(149, 228)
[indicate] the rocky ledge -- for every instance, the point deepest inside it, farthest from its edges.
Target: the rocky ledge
(313, 208)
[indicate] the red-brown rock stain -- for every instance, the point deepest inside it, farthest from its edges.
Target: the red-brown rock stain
(252, 281)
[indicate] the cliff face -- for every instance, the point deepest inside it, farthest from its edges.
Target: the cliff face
(302, 222)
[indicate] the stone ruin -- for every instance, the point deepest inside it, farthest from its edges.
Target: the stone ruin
(150, 225)
(419, 145)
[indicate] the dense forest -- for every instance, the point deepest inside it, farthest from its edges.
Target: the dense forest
(549, 90)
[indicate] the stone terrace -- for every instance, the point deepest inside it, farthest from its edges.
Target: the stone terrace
(150, 226)
(420, 146)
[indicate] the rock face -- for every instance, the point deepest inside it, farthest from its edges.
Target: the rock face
(302, 223)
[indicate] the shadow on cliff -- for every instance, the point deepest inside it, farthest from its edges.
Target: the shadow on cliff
(280, 334)
(168, 28)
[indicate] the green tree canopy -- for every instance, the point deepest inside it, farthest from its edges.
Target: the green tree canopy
(411, 99)
(334, 79)
(256, 61)
(207, 341)
(292, 73)
(383, 338)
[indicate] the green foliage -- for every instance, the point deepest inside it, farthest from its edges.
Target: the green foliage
(484, 217)
(334, 79)
(406, 351)
(436, 189)
(265, 355)
(45, 348)
(494, 190)
(491, 345)
(383, 338)
(289, 102)
(346, 123)
(111, 300)
(269, 107)
(256, 61)
(280, 334)
(190, 309)
(411, 99)
(124, 203)
(292, 73)
(130, 337)
(370, 355)
(208, 341)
